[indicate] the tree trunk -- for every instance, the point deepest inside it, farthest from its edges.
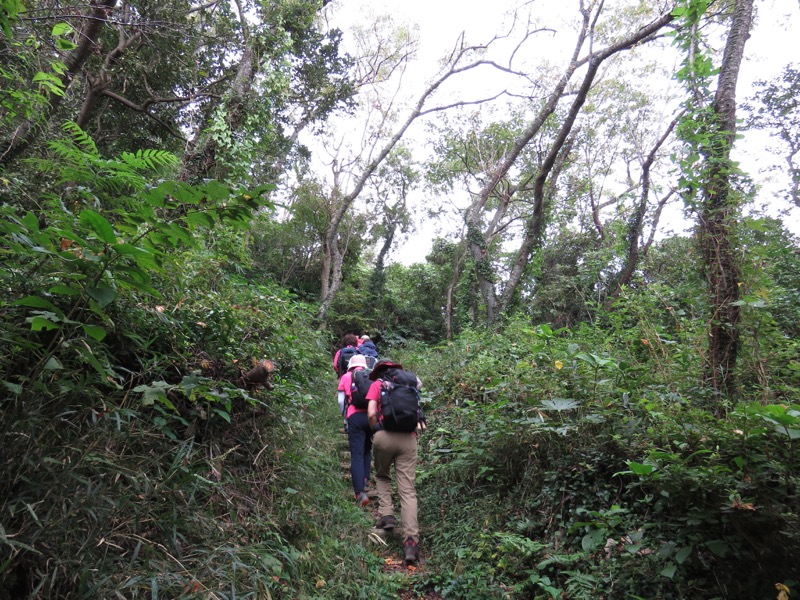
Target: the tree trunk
(26, 133)
(458, 257)
(201, 155)
(720, 209)
(636, 222)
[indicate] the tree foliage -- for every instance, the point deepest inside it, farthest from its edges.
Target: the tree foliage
(775, 108)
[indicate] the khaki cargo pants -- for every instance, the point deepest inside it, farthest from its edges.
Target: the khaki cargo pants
(401, 449)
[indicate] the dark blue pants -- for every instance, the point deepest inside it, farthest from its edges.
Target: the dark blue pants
(360, 437)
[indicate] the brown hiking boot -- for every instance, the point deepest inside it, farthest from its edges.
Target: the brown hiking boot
(411, 551)
(386, 522)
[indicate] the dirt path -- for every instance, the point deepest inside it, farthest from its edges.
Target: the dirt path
(391, 544)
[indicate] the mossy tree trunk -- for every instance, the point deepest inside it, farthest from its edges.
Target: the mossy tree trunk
(720, 209)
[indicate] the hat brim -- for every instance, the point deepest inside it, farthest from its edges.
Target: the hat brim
(382, 366)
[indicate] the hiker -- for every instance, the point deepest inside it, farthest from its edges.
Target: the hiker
(367, 348)
(395, 419)
(353, 388)
(346, 351)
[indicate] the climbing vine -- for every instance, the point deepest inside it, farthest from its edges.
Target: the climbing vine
(710, 180)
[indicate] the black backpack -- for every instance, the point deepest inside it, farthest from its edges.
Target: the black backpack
(345, 354)
(400, 409)
(359, 388)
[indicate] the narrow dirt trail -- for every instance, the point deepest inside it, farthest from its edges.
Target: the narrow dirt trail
(390, 544)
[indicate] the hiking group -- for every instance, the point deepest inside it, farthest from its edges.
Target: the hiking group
(380, 403)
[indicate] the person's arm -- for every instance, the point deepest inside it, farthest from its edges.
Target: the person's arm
(336, 362)
(373, 396)
(372, 414)
(344, 390)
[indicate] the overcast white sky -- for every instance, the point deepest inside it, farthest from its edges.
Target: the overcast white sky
(772, 45)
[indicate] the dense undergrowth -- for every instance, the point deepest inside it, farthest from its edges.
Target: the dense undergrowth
(557, 467)
(137, 459)
(190, 487)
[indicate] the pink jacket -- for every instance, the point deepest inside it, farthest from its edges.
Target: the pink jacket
(344, 386)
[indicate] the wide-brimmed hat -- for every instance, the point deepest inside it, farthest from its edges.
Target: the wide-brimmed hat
(358, 360)
(381, 366)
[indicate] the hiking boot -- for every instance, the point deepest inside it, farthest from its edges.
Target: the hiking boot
(362, 499)
(411, 551)
(386, 522)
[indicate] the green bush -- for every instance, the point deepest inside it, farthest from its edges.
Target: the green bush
(603, 468)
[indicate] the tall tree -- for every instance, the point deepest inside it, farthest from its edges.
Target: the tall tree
(229, 83)
(92, 20)
(710, 131)
(592, 61)
(634, 235)
(382, 135)
(517, 171)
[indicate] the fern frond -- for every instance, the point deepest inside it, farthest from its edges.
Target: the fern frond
(81, 139)
(149, 160)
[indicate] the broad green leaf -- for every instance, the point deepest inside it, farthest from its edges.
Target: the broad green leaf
(222, 414)
(639, 468)
(165, 401)
(182, 233)
(719, 547)
(63, 44)
(216, 190)
(152, 393)
(38, 323)
(593, 539)
(37, 302)
(62, 29)
(144, 258)
(683, 554)
(669, 570)
(182, 192)
(31, 221)
(94, 331)
(102, 294)
(64, 290)
(14, 388)
(98, 223)
(199, 219)
(588, 358)
(47, 79)
(155, 197)
(53, 364)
